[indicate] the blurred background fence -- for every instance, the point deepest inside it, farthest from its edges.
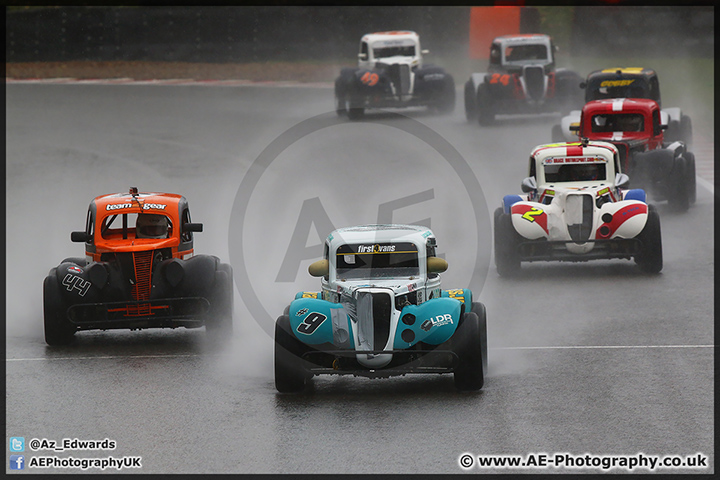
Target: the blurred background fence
(318, 33)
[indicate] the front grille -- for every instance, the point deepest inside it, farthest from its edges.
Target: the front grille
(400, 77)
(579, 216)
(374, 311)
(534, 81)
(141, 289)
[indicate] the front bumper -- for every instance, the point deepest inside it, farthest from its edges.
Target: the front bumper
(541, 250)
(189, 312)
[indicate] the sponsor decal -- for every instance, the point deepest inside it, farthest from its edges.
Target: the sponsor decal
(616, 83)
(154, 206)
(301, 312)
(556, 160)
(439, 320)
(434, 76)
(309, 295)
(376, 248)
(75, 269)
(118, 206)
(457, 294)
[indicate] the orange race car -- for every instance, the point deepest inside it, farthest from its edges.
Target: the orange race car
(139, 271)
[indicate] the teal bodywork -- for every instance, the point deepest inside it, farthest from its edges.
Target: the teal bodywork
(315, 321)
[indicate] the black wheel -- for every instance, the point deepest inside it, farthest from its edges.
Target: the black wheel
(446, 102)
(479, 310)
(58, 329)
(679, 197)
(290, 375)
(355, 113)
(467, 344)
(691, 176)
(340, 102)
(507, 257)
(219, 323)
(650, 258)
(470, 111)
(686, 134)
(484, 106)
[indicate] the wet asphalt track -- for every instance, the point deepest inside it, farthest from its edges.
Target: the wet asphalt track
(584, 358)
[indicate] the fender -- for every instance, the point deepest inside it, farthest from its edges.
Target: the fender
(572, 118)
(477, 79)
(635, 194)
(509, 200)
(463, 295)
(627, 219)
(432, 322)
(314, 322)
(667, 114)
(530, 219)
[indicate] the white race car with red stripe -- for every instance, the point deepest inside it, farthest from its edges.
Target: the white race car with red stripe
(576, 208)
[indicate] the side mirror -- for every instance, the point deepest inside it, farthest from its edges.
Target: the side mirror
(583, 85)
(192, 227)
(319, 268)
(622, 180)
(663, 126)
(362, 56)
(424, 52)
(436, 265)
(80, 237)
(528, 185)
(574, 127)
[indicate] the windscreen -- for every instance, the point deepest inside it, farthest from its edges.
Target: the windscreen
(574, 169)
(620, 88)
(618, 122)
(393, 51)
(521, 53)
(379, 260)
(136, 225)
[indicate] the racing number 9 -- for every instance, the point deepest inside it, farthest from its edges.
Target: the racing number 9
(531, 214)
(311, 323)
(370, 79)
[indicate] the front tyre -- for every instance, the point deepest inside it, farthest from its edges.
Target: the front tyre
(219, 324)
(484, 105)
(58, 329)
(469, 374)
(290, 374)
(506, 240)
(650, 257)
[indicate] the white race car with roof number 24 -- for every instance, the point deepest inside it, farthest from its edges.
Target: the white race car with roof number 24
(381, 312)
(576, 208)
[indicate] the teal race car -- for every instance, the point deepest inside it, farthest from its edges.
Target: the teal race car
(381, 312)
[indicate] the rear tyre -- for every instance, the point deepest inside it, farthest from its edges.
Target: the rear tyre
(290, 374)
(470, 109)
(691, 176)
(467, 343)
(485, 106)
(680, 187)
(650, 257)
(58, 329)
(446, 103)
(507, 257)
(479, 310)
(686, 134)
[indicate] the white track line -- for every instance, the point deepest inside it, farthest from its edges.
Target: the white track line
(600, 347)
(188, 355)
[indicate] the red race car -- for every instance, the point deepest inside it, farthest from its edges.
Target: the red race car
(634, 126)
(139, 271)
